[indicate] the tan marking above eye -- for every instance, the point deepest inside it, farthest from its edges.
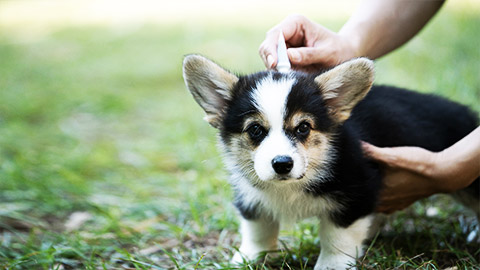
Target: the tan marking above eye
(299, 118)
(256, 118)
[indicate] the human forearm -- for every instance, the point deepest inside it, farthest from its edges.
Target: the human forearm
(461, 162)
(413, 173)
(380, 26)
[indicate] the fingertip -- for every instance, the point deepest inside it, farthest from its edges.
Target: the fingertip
(368, 149)
(270, 61)
(380, 154)
(365, 145)
(267, 53)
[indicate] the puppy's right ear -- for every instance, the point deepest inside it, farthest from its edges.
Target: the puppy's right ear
(210, 85)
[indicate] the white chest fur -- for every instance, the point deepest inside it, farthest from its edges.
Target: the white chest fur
(284, 202)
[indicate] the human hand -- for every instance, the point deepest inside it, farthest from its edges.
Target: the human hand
(310, 45)
(413, 173)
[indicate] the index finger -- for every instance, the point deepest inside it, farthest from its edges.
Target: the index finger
(268, 53)
(268, 48)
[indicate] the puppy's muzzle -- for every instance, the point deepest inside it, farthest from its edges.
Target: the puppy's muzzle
(282, 164)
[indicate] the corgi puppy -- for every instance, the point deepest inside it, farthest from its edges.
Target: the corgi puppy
(291, 143)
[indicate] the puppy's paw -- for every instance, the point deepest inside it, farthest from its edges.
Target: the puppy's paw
(335, 263)
(334, 267)
(237, 259)
(241, 257)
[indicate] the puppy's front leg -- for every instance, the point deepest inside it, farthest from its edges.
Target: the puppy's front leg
(257, 235)
(341, 246)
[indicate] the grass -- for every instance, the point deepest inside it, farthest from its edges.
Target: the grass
(95, 121)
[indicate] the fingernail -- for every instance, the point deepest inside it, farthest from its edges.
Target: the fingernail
(294, 56)
(270, 61)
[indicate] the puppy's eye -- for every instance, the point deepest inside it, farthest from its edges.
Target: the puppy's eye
(303, 129)
(256, 131)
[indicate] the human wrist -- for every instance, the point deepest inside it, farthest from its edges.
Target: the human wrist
(448, 171)
(435, 171)
(352, 45)
(356, 32)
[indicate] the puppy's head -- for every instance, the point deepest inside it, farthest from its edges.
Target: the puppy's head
(276, 126)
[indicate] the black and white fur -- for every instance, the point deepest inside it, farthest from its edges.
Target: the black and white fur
(291, 142)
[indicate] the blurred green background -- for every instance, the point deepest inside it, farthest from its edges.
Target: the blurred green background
(105, 161)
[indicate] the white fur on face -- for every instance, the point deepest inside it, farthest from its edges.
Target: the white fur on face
(270, 99)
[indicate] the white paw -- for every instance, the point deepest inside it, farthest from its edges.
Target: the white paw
(237, 258)
(240, 257)
(339, 262)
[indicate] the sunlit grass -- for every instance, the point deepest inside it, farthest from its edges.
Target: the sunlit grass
(95, 119)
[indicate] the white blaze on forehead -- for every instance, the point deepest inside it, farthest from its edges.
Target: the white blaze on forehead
(271, 97)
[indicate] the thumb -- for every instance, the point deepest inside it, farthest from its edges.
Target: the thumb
(310, 55)
(377, 153)
(411, 158)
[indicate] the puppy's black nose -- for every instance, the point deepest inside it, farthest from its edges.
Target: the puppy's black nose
(282, 164)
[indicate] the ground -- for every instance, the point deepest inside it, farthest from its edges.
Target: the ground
(105, 161)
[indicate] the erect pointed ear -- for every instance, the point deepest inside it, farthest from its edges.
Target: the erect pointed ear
(210, 85)
(345, 85)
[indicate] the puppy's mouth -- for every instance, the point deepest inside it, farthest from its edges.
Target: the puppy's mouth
(283, 178)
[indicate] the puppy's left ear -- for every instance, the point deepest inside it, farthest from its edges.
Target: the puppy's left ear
(345, 85)
(210, 85)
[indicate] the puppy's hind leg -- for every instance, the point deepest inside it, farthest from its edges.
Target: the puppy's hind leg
(341, 246)
(470, 197)
(257, 235)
